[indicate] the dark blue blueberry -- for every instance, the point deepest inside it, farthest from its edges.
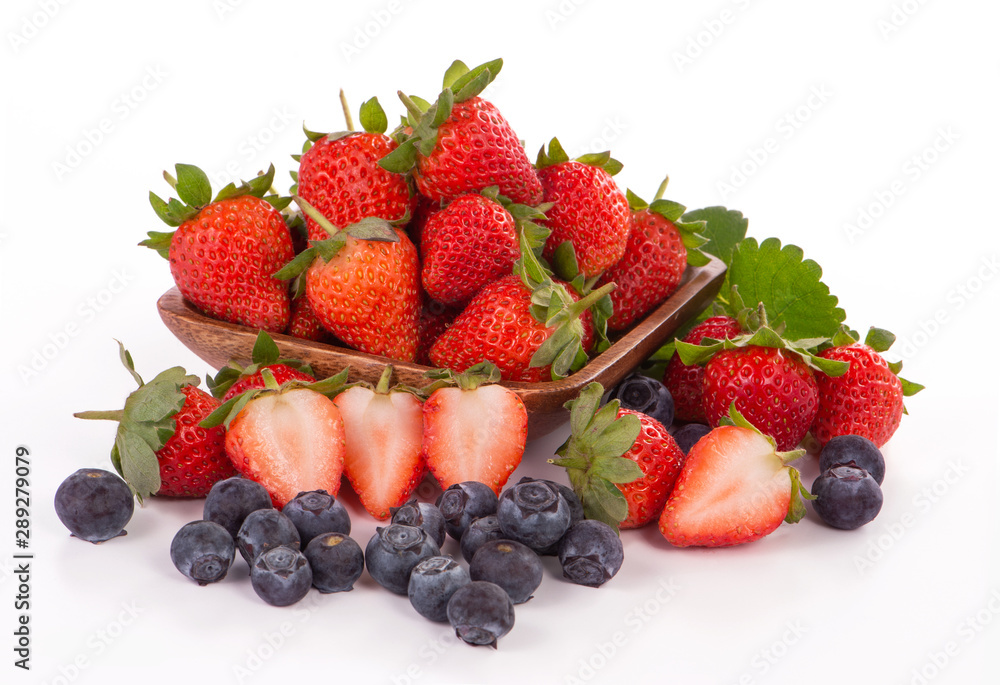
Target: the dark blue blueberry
(94, 504)
(513, 566)
(647, 395)
(847, 448)
(590, 553)
(265, 529)
(422, 515)
(847, 497)
(463, 503)
(480, 531)
(533, 513)
(432, 583)
(203, 551)
(317, 512)
(575, 511)
(481, 613)
(336, 560)
(281, 576)
(392, 553)
(230, 501)
(690, 433)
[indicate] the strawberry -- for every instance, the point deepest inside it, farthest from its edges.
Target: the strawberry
(733, 488)
(290, 439)
(363, 283)
(384, 429)
(233, 379)
(462, 144)
(685, 382)
(473, 429)
(868, 399)
(160, 448)
(304, 324)
(659, 248)
(435, 318)
(622, 463)
(589, 211)
(339, 175)
(225, 251)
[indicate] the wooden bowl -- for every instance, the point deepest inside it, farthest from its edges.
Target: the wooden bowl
(217, 342)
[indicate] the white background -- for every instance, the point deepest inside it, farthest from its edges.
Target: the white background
(882, 107)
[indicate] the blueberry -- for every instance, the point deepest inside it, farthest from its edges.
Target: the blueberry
(265, 529)
(481, 613)
(422, 515)
(94, 504)
(203, 551)
(590, 553)
(690, 433)
(316, 512)
(480, 531)
(533, 513)
(513, 566)
(463, 503)
(847, 497)
(432, 583)
(575, 511)
(336, 561)
(647, 395)
(392, 553)
(230, 501)
(846, 448)
(281, 576)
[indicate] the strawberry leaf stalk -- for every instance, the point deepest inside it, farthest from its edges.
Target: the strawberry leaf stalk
(234, 378)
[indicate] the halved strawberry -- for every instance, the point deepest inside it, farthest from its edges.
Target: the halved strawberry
(475, 431)
(384, 430)
(233, 379)
(733, 488)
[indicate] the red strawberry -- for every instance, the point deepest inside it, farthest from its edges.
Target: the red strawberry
(160, 448)
(656, 255)
(868, 399)
(685, 382)
(660, 460)
(435, 318)
(384, 459)
(224, 252)
(339, 175)
(462, 144)
(304, 323)
(733, 488)
(475, 431)
(233, 379)
(589, 211)
(469, 243)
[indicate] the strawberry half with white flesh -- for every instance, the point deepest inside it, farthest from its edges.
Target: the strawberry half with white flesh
(734, 487)
(288, 438)
(384, 428)
(473, 428)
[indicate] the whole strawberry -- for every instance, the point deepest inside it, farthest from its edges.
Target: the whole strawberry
(339, 175)
(304, 323)
(588, 210)
(868, 399)
(659, 248)
(462, 144)
(434, 319)
(160, 448)
(685, 382)
(233, 379)
(225, 251)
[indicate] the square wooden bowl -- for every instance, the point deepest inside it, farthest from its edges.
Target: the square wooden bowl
(217, 342)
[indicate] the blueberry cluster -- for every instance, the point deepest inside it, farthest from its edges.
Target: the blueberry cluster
(848, 490)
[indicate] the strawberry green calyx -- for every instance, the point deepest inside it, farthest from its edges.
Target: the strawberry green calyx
(879, 340)
(144, 424)
(483, 373)
(557, 155)
(265, 353)
(592, 456)
(673, 212)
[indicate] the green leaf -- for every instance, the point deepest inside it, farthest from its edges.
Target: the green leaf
(441, 109)
(910, 388)
(788, 286)
(475, 80)
(373, 228)
(298, 265)
(724, 228)
(616, 469)
(635, 203)
(372, 117)
(796, 507)
(618, 438)
(668, 209)
(265, 350)
(261, 183)
(879, 339)
(402, 159)
(163, 211)
(126, 359)
(193, 185)
(583, 407)
(453, 72)
(602, 501)
(564, 262)
(140, 468)
(579, 463)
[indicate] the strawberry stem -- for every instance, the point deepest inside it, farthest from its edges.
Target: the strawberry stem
(315, 215)
(662, 189)
(112, 415)
(383, 382)
(347, 111)
(410, 105)
(585, 303)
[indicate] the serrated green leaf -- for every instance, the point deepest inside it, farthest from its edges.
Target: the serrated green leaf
(193, 185)
(615, 469)
(372, 117)
(724, 228)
